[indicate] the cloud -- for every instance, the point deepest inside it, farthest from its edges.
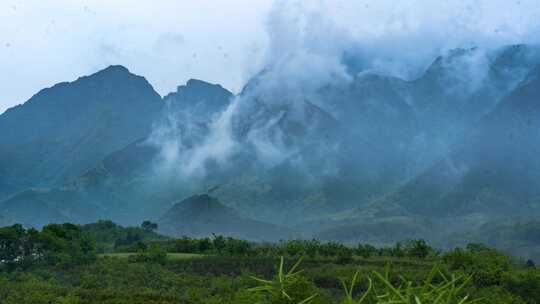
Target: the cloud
(312, 45)
(400, 38)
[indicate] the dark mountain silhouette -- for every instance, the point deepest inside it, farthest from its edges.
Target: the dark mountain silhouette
(203, 215)
(64, 130)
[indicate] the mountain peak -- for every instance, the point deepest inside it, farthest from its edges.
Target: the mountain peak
(200, 205)
(114, 72)
(450, 58)
(200, 83)
(196, 85)
(201, 99)
(115, 69)
(203, 215)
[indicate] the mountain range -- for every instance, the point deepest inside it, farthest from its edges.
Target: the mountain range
(371, 158)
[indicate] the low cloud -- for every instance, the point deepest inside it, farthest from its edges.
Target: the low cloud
(323, 44)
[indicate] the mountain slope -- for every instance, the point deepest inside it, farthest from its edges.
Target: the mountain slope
(199, 99)
(496, 169)
(38, 207)
(202, 215)
(64, 130)
(120, 184)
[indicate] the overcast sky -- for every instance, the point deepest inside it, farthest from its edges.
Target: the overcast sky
(168, 42)
(226, 41)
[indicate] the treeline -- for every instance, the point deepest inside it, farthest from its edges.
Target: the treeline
(56, 244)
(110, 237)
(294, 248)
(69, 244)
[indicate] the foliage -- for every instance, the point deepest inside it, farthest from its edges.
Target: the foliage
(448, 291)
(151, 254)
(66, 244)
(487, 266)
(17, 246)
(58, 265)
(112, 237)
(365, 250)
(148, 226)
(288, 287)
(418, 249)
(57, 244)
(349, 291)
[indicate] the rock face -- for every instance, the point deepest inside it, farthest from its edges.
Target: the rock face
(203, 215)
(64, 130)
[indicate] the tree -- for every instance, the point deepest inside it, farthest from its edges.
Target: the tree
(11, 242)
(418, 249)
(366, 250)
(344, 256)
(397, 250)
(66, 244)
(148, 226)
(150, 254)
(204, 245)
(219, 243)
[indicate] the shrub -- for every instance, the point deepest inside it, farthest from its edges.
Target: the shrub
(287, 287)
(418, 249)
(152, 254)
(441, 290)
(486, 265)
(366, 250)
(344, 256)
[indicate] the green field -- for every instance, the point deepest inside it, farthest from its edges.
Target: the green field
(60, 265)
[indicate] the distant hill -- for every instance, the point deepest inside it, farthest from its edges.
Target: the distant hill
(383, 231)
(494, 171)
(203, 215)
(64, 130)
(38, 207)
(518, 237)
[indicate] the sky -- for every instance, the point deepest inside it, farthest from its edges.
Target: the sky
(227, 41)
(168, 42)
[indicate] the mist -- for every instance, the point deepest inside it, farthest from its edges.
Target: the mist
(318, 51)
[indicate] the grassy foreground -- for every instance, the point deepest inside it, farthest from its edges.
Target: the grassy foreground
(61, 265)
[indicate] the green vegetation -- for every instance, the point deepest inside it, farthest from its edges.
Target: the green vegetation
(170, 256)
(80, 264)
(112, 237)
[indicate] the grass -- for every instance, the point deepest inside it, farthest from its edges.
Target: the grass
(170, 256)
